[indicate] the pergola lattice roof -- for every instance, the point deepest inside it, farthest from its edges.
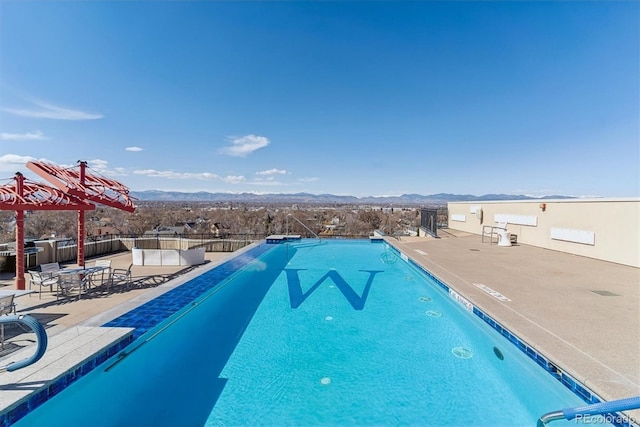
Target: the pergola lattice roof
(90, 186)
(23, 194)
(74, 190)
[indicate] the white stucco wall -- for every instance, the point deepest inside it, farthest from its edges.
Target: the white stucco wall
(610, 227)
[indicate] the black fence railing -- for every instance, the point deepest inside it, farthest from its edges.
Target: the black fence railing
(431, 219)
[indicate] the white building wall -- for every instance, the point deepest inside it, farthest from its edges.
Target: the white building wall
(606, 229)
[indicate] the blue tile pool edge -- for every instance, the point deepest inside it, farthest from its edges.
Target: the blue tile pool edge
(579, 389)
(150, 314)
(22, 407)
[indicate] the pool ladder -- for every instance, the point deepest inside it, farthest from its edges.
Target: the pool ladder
(594, 409)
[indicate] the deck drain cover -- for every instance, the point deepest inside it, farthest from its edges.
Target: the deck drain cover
(606, 293)
(475, 250)
(462, 352)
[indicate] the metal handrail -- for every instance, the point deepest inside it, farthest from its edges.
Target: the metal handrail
(41, 338)
(302, 224)
(593, 409)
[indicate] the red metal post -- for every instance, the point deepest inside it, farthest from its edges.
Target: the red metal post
(81, 238)
(83, 165)
(20, 283)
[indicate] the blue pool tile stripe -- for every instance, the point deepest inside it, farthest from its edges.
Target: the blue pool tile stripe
(36, 399)
(149, 315)
(567, 380)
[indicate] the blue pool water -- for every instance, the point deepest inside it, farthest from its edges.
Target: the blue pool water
(337, 333)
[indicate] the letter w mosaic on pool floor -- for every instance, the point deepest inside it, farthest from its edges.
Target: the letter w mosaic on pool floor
(297, 296)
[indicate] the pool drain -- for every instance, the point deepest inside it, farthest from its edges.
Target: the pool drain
(425, 299)
(498, 353)
(325, 381)
(328, 318)
(408, 278)
(462, 353)
(433, 313)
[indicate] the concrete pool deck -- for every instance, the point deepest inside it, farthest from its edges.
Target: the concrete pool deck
(582, 314)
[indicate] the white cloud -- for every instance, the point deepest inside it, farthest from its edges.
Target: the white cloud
(45, 110)
(234, 179)
(102, 167)
(14, 162)
(29, 136)
(269, 182)
(98, 164)
(272, 172)
(311, 179)
(157, 174)
(120, 171)
(133, 149)
(242, 146)
(205, 176)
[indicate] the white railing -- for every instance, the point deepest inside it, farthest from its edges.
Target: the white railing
(302, 224)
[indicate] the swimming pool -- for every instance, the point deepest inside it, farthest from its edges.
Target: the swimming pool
(337, 333)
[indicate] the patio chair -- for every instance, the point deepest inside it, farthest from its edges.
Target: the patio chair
(121, 276)
(102, 276)
(67, 283)
(42, 279)
(499, 231)
(7, 306)
(51, 268)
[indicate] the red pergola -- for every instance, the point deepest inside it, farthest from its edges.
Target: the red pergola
(87, 186)
(22, 195)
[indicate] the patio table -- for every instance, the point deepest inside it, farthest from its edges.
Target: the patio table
(83, 272)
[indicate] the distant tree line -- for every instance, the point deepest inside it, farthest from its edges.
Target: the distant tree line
(220, 219)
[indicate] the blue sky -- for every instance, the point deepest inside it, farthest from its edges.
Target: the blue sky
(358, 98)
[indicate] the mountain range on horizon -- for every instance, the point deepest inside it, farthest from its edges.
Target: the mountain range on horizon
(404, 199)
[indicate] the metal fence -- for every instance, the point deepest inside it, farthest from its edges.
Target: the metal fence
(431, 219)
